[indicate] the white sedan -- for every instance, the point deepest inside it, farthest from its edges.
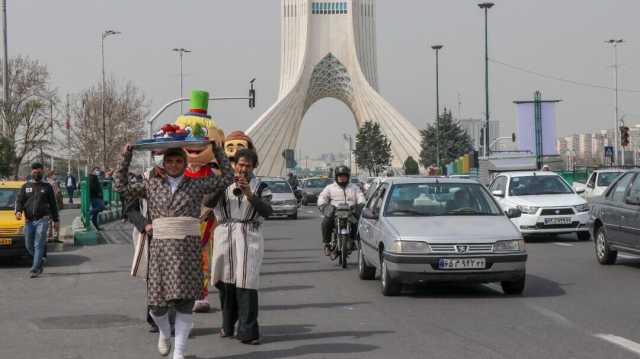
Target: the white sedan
(598, 182)
(549, 205)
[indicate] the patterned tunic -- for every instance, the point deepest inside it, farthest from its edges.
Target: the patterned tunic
(239, 245)
(174, 264)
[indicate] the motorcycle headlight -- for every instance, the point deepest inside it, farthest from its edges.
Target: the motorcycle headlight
(405, 247)
(582, 207)
(528, 209)
(509, 246)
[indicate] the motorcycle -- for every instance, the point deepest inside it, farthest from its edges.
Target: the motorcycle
(342, 242)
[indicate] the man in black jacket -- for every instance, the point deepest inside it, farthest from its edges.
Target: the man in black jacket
(38, 203)
(95, 196)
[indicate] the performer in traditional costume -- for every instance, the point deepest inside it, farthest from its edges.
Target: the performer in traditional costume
(239, 248)
(199, 161)
(174, 205)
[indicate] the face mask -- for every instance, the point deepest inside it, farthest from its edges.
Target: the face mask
(97, 173)
(37, 176)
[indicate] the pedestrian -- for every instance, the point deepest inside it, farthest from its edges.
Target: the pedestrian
(71, 184)
(95, 196)
(239, 248)
(432, 170)
(174, 202)
(37, 202)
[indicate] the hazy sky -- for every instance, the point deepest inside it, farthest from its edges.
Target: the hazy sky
(236, 40)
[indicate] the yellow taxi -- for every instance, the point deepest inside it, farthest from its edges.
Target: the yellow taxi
(11, 230)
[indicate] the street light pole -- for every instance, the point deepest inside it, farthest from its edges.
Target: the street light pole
(486, 6)
(614, 43)
(181, 51)
(5, 66)
(105, 34)
(437, 48)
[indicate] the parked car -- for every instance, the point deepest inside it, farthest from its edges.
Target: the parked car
(283, 200)
(549, 205)
(12, 242)
(311, 188)
(616, 219)
(598, 182)
(439, 229)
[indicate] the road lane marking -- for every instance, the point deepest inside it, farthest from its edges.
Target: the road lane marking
(620, 341)
(563, 244)
(555, 316)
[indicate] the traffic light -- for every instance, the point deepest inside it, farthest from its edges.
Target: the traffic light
(252, 95)
(624, 136)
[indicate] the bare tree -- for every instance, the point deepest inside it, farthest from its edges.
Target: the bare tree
(28, 114)
(125, 110)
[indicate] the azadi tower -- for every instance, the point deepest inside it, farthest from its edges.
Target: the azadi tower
(328, 50)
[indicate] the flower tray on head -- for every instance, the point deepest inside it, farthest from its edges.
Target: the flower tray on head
(173, 136)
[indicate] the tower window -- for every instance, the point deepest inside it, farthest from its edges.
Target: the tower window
(329, 8)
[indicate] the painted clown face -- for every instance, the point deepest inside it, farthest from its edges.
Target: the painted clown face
(198, 156)
(232, 146)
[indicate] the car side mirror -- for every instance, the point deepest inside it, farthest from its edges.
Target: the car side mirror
(591, 185)
(514, 213)
(498, 193)
(634, 201)
(368, 213)
(580, 190)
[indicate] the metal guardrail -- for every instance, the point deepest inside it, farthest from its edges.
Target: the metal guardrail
(110, 197)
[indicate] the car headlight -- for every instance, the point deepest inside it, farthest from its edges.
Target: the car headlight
(582, 207)
(509, 246)
(528, 209)
(409, 247)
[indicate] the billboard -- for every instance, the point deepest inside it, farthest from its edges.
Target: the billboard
(526, 126)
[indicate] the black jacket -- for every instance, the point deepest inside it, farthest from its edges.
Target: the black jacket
(95, 187)
(37, 200)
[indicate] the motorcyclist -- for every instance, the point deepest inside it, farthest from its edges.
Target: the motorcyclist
(341, 191)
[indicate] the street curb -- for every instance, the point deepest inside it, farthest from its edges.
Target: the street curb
(89, 236)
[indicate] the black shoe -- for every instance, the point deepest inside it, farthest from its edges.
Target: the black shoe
(327, 249)
(254, 341)
(36, 274)
(153, 329)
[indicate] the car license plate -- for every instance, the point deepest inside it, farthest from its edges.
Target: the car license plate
(5, 242)
(556, 221)
(462, 263)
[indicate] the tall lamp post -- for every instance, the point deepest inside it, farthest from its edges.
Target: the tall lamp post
(437, 48)
(105, 34)
(486, 6)
(5, 65)
(181, 51)
(614, 43)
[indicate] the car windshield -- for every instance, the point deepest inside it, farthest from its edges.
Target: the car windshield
(440, 199)
(8, 198)
(278, 186)
(317, 183)
(536, 185)
(606, 178)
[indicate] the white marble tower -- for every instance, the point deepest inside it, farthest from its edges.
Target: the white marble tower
(328, 50)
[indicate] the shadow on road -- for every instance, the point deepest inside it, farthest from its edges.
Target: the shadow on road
(310, 305)
(287, 262)
(536, 287)
(285, 272)
(311, 349)
(278, 239)
(276, 289)
(53, 260)
(46, 274)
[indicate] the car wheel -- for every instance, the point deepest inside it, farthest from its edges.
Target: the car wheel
(584, 236)
(365, 272)
(304, 201)
(604, 255)
(294, 216)
(390, 287)
(513, 287)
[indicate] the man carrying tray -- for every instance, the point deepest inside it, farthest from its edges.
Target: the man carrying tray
(174, 203)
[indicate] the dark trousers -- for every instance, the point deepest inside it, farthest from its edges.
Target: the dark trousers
(70, 191)
(239, 305)
(327, 228)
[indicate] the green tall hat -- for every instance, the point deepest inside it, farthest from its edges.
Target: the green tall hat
(199, 104)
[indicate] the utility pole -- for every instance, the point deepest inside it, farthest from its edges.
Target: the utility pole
(614, 43)
(486, 6)
(105, 34)
(437, 48)
(181, 51)
(5, 66)
(68, 127)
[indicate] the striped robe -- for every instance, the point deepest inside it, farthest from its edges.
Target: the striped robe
(239, 245)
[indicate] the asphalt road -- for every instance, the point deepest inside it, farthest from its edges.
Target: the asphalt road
(87, 306)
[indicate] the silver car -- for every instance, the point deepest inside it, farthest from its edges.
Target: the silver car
(283, 200)
(439, 229)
